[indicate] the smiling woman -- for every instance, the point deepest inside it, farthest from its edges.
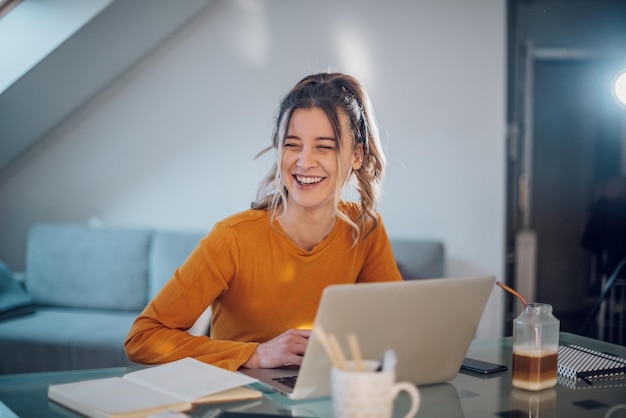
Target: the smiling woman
(343, 107)
(263, 270)
(314, 167)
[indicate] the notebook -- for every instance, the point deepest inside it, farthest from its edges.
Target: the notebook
(577, 363)
(429, 324)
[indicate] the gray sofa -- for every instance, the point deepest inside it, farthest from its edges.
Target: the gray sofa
(84, 286)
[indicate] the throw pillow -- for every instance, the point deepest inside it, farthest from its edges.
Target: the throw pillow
(14, 300)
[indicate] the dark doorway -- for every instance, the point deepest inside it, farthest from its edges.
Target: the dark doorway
(567, 141)
(578, 135)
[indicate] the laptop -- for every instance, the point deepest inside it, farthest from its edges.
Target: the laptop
(429, 323)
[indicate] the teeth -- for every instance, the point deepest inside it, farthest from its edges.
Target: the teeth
(309, 180)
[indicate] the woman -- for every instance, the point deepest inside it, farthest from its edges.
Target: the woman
(263, 270)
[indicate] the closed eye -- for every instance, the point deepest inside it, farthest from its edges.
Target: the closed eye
(291, 143)
(326, 144)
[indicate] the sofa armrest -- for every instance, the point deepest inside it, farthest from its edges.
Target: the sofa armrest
(419, 259)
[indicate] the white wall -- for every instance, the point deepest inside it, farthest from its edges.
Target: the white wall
(171, 144)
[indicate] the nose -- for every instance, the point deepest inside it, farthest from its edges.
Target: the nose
(306, 158)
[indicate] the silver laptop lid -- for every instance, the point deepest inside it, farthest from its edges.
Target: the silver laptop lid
(428, 323)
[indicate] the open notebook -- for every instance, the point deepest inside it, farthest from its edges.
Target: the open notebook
(175, 386)
(428, 323)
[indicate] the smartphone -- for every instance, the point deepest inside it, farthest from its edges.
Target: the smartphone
(482, 367)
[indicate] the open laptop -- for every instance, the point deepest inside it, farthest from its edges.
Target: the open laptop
(429, 323)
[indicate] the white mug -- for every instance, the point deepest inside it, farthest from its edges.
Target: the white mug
(368, 393)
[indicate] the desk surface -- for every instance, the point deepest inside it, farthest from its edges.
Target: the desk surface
(466, 396)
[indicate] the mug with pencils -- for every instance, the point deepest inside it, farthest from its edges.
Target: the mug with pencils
(365, 388)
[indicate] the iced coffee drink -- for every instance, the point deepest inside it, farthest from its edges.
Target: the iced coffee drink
(534, 369)
(535, 347)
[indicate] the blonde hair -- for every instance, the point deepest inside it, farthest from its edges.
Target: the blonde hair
(332, 93)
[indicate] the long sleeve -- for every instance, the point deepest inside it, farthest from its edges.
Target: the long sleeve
(258, 284)
(159, 334)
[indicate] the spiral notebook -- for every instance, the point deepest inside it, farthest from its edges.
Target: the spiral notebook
(577, 363)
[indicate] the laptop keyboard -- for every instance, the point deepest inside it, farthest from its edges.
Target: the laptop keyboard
(287, 380)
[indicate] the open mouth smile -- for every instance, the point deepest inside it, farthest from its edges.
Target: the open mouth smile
(307, 180)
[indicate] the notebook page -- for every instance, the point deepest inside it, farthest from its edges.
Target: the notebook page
(189, 379)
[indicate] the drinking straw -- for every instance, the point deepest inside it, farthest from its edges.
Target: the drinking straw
(356, 352)
(508, 289)
(536, 332)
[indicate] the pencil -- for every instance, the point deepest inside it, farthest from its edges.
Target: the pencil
(334, 344)
(356, 352)
(330, 352)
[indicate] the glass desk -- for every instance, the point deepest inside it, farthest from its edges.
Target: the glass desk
(467, 395)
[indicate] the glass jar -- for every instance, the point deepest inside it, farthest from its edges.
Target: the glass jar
(535, 347)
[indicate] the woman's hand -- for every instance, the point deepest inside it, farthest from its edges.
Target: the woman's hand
(287, 348)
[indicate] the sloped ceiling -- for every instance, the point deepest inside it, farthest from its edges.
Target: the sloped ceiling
(70, 75)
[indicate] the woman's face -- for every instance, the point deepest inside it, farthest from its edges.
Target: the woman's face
(309, 159)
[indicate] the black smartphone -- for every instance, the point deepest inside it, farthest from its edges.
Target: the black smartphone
(482, 367)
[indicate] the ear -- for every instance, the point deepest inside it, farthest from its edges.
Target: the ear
(357, 157)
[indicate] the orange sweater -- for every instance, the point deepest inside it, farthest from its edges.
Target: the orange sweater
(258, 283)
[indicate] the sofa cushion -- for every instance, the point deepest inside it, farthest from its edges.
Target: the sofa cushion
(14, 300)
(168, 251)
(87, 267)
(65, 339)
